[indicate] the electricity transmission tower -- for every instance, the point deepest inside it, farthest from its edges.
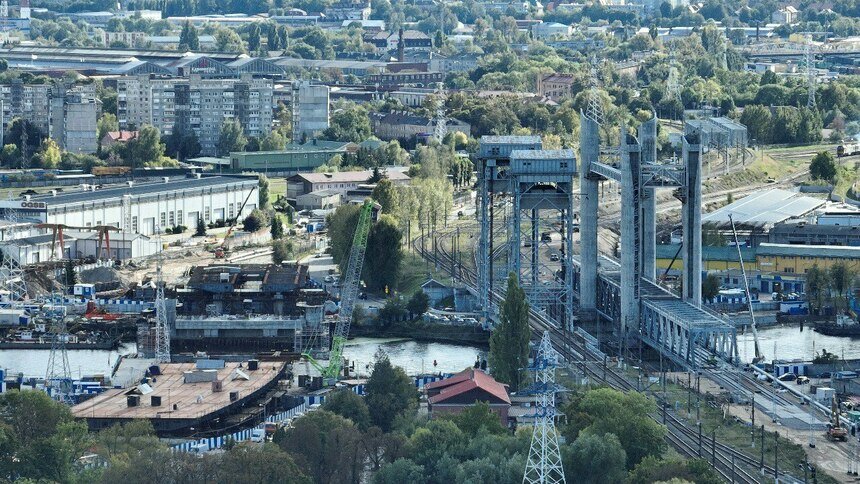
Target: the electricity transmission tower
(809, 67)
(58, 377)
(13, 274)
(162, 327)
(441, 127)
(673, 84)
(544, 461)
(594, 108)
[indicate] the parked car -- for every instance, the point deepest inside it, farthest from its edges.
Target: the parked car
(802, 380)
(787, 377)
(554, 257)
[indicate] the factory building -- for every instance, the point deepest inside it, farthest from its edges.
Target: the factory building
(295, 158)
(142, 208)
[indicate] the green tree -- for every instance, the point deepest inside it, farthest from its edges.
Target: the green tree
(626, 415)
(348, 405)
(419, 303)
(10, 156)
(70, 276)
(341, 227)
(281, 250)
(817, 287)
(277, 227)
(389, 392)
(596, 459)
(710, 287)
(384, 256)
(399, 472)
(385, 193)
(509, 343)
(263, 186)
(228, 40)
(325, 446)
(49, 154)
(823, 167)
(246, 464)
(254, 38)
(274, 141)
(757, 119)
(842, 280)
(124, 440)
(231, 137)
(106, 123)
(145, 148)
(653, 469)
(478, 418)
(188, 40)
(255, 220)
(350, 123)
(200, 231)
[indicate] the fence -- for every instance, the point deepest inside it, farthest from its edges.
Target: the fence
(242, 435)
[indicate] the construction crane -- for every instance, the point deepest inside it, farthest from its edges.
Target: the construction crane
(758, 354)
(835, 431)
(57, 233)
(348, 295)
(221, 250)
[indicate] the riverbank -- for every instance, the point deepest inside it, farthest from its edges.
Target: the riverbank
(426, 332)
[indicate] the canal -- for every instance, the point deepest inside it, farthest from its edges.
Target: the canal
(792, 343)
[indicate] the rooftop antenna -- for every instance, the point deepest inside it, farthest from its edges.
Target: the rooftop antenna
(162, 327)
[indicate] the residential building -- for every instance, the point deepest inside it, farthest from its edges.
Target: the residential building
(130, 39)
(117, 137)
(73, 115)
(557, 87)
(310, 110)
(463, 390)
(551, 31)
(26, 101)
(412, 40)
(401, 125)
(406, 78)
(304, 183)
(461, 62)
(785, 15)
(348, 10)
(142, 208)
(196, 104)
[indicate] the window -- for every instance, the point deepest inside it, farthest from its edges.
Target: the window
(163, 220)
(179, 219)
(206, 214)
(134, 224)
(172, 218)
(230, 209)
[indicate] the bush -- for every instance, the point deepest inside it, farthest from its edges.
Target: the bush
(179, 229)
(255, 221)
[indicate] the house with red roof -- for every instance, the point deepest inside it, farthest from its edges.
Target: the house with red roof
(114, 137)
(455, 394)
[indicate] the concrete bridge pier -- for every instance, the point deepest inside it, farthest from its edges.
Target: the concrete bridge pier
(589, 147)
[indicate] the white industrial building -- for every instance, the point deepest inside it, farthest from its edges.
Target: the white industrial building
(141, 208)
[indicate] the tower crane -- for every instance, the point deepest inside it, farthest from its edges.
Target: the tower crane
(349, 293)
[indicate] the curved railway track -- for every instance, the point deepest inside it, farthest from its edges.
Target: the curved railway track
(731, 464)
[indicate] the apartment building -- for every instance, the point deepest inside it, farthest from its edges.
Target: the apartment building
(196, 104)
(66, 113)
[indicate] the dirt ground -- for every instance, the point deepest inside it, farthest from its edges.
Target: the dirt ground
(832, 457)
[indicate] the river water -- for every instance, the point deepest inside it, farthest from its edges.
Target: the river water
(34, 363)
(792, 343)
(413, 356)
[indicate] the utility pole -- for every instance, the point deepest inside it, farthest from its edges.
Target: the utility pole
(162, 325)
(761, 464)
(776, 456)
(59, 375)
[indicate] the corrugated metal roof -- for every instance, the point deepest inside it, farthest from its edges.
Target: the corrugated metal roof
(798, 250)
(507, 140)
(764, 208)
(142, 189)
(709, 253)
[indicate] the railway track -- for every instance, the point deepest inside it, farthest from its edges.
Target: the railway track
(731, 464)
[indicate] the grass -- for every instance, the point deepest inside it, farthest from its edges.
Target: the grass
(415, 272)
(776, 164)
(277, 186)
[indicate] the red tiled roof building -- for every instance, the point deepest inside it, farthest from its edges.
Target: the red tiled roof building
(454, 394)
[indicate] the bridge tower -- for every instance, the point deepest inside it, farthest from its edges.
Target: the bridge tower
(691, 219)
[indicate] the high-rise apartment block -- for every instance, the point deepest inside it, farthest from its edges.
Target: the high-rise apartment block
(66, 113)
(196, 104)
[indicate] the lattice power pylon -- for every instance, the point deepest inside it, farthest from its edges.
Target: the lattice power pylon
(544, 461)
(809, 68)
(162, 326)
(58, 377)
(441, 127)
(594, 109)
(673, 82)
(12, 273)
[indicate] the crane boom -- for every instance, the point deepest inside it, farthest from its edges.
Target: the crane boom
(349, 293)
(758, 354)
